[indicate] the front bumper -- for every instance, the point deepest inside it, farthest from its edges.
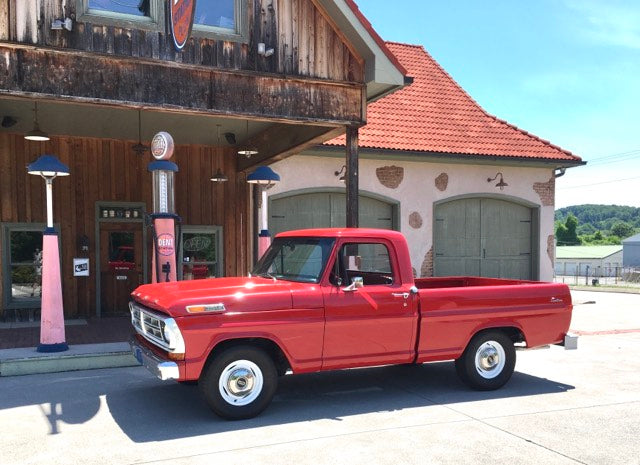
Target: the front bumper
(163, 369)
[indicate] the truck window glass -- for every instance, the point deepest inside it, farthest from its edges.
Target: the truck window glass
(370, 261)
(295, 259)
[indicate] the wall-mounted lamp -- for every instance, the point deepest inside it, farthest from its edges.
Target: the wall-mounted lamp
(139, 148)
(62, 23)
(230, 137)
(8, 121)
(501, 184)
(247, 150)
(342, 173)
(264, 51)
(36, 134)
(220, 176)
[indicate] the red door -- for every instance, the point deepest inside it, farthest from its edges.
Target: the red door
(370, 325)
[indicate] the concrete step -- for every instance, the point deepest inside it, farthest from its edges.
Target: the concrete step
(26, 361)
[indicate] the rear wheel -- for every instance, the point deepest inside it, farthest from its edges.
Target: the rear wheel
(488, 361)
(239, 383)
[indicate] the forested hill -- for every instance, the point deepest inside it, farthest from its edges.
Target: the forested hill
(592, 218)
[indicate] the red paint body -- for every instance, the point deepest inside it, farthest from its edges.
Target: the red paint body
(321, 327)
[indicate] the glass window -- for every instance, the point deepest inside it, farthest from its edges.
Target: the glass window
(223, 18)
(369, 261)
(147, 14)
(200, 254)
(23, 264)
(127, 7)
(121, 251)
(295, 259)
(220, 14)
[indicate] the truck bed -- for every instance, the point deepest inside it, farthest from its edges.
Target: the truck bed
(465, 281)
(453, 309)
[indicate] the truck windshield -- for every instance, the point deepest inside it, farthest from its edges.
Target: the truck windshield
(300, 259)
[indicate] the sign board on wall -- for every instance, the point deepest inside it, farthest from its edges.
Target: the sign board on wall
(80, 267)
(181, 21)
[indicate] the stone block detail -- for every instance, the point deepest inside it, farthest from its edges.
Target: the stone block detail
(442, 181)
(390, 176)
(546, 191)
(426, 271)
(551, 249)
(415, 220)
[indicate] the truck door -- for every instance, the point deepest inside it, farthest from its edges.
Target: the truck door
(371, 324)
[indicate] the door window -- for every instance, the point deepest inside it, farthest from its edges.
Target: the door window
(121, 251)
(369, 261)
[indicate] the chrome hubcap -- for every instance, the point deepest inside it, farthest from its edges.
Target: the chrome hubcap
(490, 359)
(240, 382)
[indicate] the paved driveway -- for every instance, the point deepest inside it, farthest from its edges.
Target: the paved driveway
(560, 407)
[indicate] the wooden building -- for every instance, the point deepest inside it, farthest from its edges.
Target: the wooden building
(101, 78)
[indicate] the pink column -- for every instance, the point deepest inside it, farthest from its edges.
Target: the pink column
(164, 249)
(52, 337)
(264, 241)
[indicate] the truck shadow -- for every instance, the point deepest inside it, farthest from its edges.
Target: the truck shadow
(172, 411)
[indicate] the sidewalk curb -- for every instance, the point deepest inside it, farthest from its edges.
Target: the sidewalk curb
(17, 362)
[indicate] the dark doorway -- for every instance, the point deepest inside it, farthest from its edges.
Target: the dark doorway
(121, 265)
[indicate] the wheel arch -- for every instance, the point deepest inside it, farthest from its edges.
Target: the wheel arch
(267, 345)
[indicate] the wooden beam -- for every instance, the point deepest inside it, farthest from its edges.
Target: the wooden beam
(127, 82)
(352, 176)
(282, 141)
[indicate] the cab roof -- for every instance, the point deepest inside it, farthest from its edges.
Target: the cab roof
(343, 232)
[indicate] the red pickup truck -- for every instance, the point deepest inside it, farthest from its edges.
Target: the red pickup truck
(329, 299)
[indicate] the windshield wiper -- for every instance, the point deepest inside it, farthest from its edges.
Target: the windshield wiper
(266, 274)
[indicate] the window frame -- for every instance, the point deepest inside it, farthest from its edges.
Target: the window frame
(202, 229)
(154, 22)
(241, 33)
(394, 273)
(8, 302)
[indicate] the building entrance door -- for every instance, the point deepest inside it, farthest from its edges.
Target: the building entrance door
(121, 265)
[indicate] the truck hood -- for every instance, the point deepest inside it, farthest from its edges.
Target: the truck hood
(236, 294)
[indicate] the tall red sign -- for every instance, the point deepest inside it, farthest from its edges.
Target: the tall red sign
(181, 21)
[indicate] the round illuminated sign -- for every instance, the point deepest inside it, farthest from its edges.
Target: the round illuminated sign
(166, 245)
(162, 146)
(181, 21)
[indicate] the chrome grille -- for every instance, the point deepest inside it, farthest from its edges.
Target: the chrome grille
(149, 324)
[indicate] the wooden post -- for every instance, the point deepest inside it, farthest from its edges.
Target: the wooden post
(352, 176)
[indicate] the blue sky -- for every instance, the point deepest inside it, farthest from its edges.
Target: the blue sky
(565, 70)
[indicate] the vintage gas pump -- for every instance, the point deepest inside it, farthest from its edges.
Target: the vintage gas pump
(163, 218)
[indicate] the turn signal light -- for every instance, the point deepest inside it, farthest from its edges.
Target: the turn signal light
(175, 357)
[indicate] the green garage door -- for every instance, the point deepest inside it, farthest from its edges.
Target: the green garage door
(483, 237)
(325, 210)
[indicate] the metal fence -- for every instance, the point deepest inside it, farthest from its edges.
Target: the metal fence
(585, 275)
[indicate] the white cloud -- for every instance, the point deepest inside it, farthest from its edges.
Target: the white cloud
(611, 22)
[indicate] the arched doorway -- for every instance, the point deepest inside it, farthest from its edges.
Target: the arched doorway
(326, 209)
(478, 236)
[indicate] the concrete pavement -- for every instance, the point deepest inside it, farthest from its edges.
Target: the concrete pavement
(560, 407)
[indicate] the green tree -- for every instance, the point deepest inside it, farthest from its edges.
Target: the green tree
(622, 229)
(571, 235)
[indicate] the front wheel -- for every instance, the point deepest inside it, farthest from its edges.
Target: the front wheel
(239, 383)
(488, 361)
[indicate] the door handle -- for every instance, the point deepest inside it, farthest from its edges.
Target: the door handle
(404, 295)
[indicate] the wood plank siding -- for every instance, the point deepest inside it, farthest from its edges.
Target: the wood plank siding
(298, 31)
(104, 170)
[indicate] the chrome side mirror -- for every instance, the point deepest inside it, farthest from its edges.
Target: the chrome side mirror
(356, 283)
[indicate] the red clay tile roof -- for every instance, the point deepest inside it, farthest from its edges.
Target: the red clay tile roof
(434, 114)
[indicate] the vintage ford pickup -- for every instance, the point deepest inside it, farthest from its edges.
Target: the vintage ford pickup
(329, 299)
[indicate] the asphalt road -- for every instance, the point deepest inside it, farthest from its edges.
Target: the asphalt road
(561, 407)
